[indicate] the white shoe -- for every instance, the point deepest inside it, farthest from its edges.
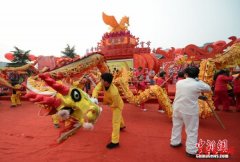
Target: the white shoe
(161, 111)
(144, 109)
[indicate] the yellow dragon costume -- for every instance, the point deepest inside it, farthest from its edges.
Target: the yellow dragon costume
(55, 96)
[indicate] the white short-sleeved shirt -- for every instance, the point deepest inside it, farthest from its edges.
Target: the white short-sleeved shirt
(187, 92)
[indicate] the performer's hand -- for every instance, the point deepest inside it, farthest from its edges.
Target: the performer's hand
(204, 98)
(88, 126)
(76, 125)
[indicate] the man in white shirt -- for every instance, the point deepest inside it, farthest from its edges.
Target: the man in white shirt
(186, 110)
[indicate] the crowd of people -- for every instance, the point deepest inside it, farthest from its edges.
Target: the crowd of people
(142, 79)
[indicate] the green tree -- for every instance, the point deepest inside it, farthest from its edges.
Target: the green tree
(69, 52)
(20, 56)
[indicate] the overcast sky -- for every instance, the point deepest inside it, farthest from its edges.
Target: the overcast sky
(46, 26)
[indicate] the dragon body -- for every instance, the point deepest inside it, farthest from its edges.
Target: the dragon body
(153, 92)
(80, 66)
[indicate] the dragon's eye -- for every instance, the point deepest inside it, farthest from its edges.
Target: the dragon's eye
(76, 95)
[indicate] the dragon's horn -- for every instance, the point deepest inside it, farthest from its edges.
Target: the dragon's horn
(42, 99)
(55, 85)
(51, 101)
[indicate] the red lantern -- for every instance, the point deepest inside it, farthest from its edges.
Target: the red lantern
(139, 60)
(150, 63)
(9, 56)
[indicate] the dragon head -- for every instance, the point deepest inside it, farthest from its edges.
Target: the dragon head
(55, 96)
